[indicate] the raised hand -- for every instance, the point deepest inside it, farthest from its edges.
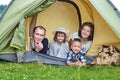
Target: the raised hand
(38, 46)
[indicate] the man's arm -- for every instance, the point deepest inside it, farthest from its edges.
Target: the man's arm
(45, 46)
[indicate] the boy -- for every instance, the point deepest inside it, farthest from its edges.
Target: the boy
(76, 56)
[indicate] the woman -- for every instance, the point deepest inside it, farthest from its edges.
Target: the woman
(85, 34)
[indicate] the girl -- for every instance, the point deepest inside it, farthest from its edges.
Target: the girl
(85, 33)
(59, 46)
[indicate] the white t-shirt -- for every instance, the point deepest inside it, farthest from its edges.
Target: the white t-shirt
(86, 46)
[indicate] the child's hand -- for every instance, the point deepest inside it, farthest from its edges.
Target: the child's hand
(78, 63)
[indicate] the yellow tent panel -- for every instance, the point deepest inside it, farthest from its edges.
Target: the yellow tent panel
(63, 14)
(21, 16)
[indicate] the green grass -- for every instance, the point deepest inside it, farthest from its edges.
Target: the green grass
(38, 71)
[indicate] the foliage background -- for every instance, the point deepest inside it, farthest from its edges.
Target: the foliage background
(2, 7)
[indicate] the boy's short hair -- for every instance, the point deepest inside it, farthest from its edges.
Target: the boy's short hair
(76, 40)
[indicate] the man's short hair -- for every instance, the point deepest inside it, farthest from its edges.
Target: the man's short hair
(40, 27)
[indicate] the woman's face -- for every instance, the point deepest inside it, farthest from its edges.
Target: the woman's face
(86, 31)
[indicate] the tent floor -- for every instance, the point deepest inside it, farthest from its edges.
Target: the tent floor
(31, 56)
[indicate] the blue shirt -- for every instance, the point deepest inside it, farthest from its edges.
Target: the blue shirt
(72, 57)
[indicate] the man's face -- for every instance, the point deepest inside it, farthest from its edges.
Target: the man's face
(38, 35)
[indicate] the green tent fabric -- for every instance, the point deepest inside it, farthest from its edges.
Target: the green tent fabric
(109, 15)
(12, 34)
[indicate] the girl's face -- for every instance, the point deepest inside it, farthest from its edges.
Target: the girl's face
(86, 31)
(76, 47)
(60, 37)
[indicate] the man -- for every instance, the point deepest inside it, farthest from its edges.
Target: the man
(40, 43)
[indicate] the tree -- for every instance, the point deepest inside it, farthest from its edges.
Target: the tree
(2, 7)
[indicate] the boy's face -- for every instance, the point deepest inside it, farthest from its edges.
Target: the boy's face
(76, 47)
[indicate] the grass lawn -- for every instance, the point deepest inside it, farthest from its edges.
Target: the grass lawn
(38, 71)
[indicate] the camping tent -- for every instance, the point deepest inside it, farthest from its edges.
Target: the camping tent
(22, 15)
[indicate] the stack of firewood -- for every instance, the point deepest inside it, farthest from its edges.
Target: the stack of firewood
(107, 55)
